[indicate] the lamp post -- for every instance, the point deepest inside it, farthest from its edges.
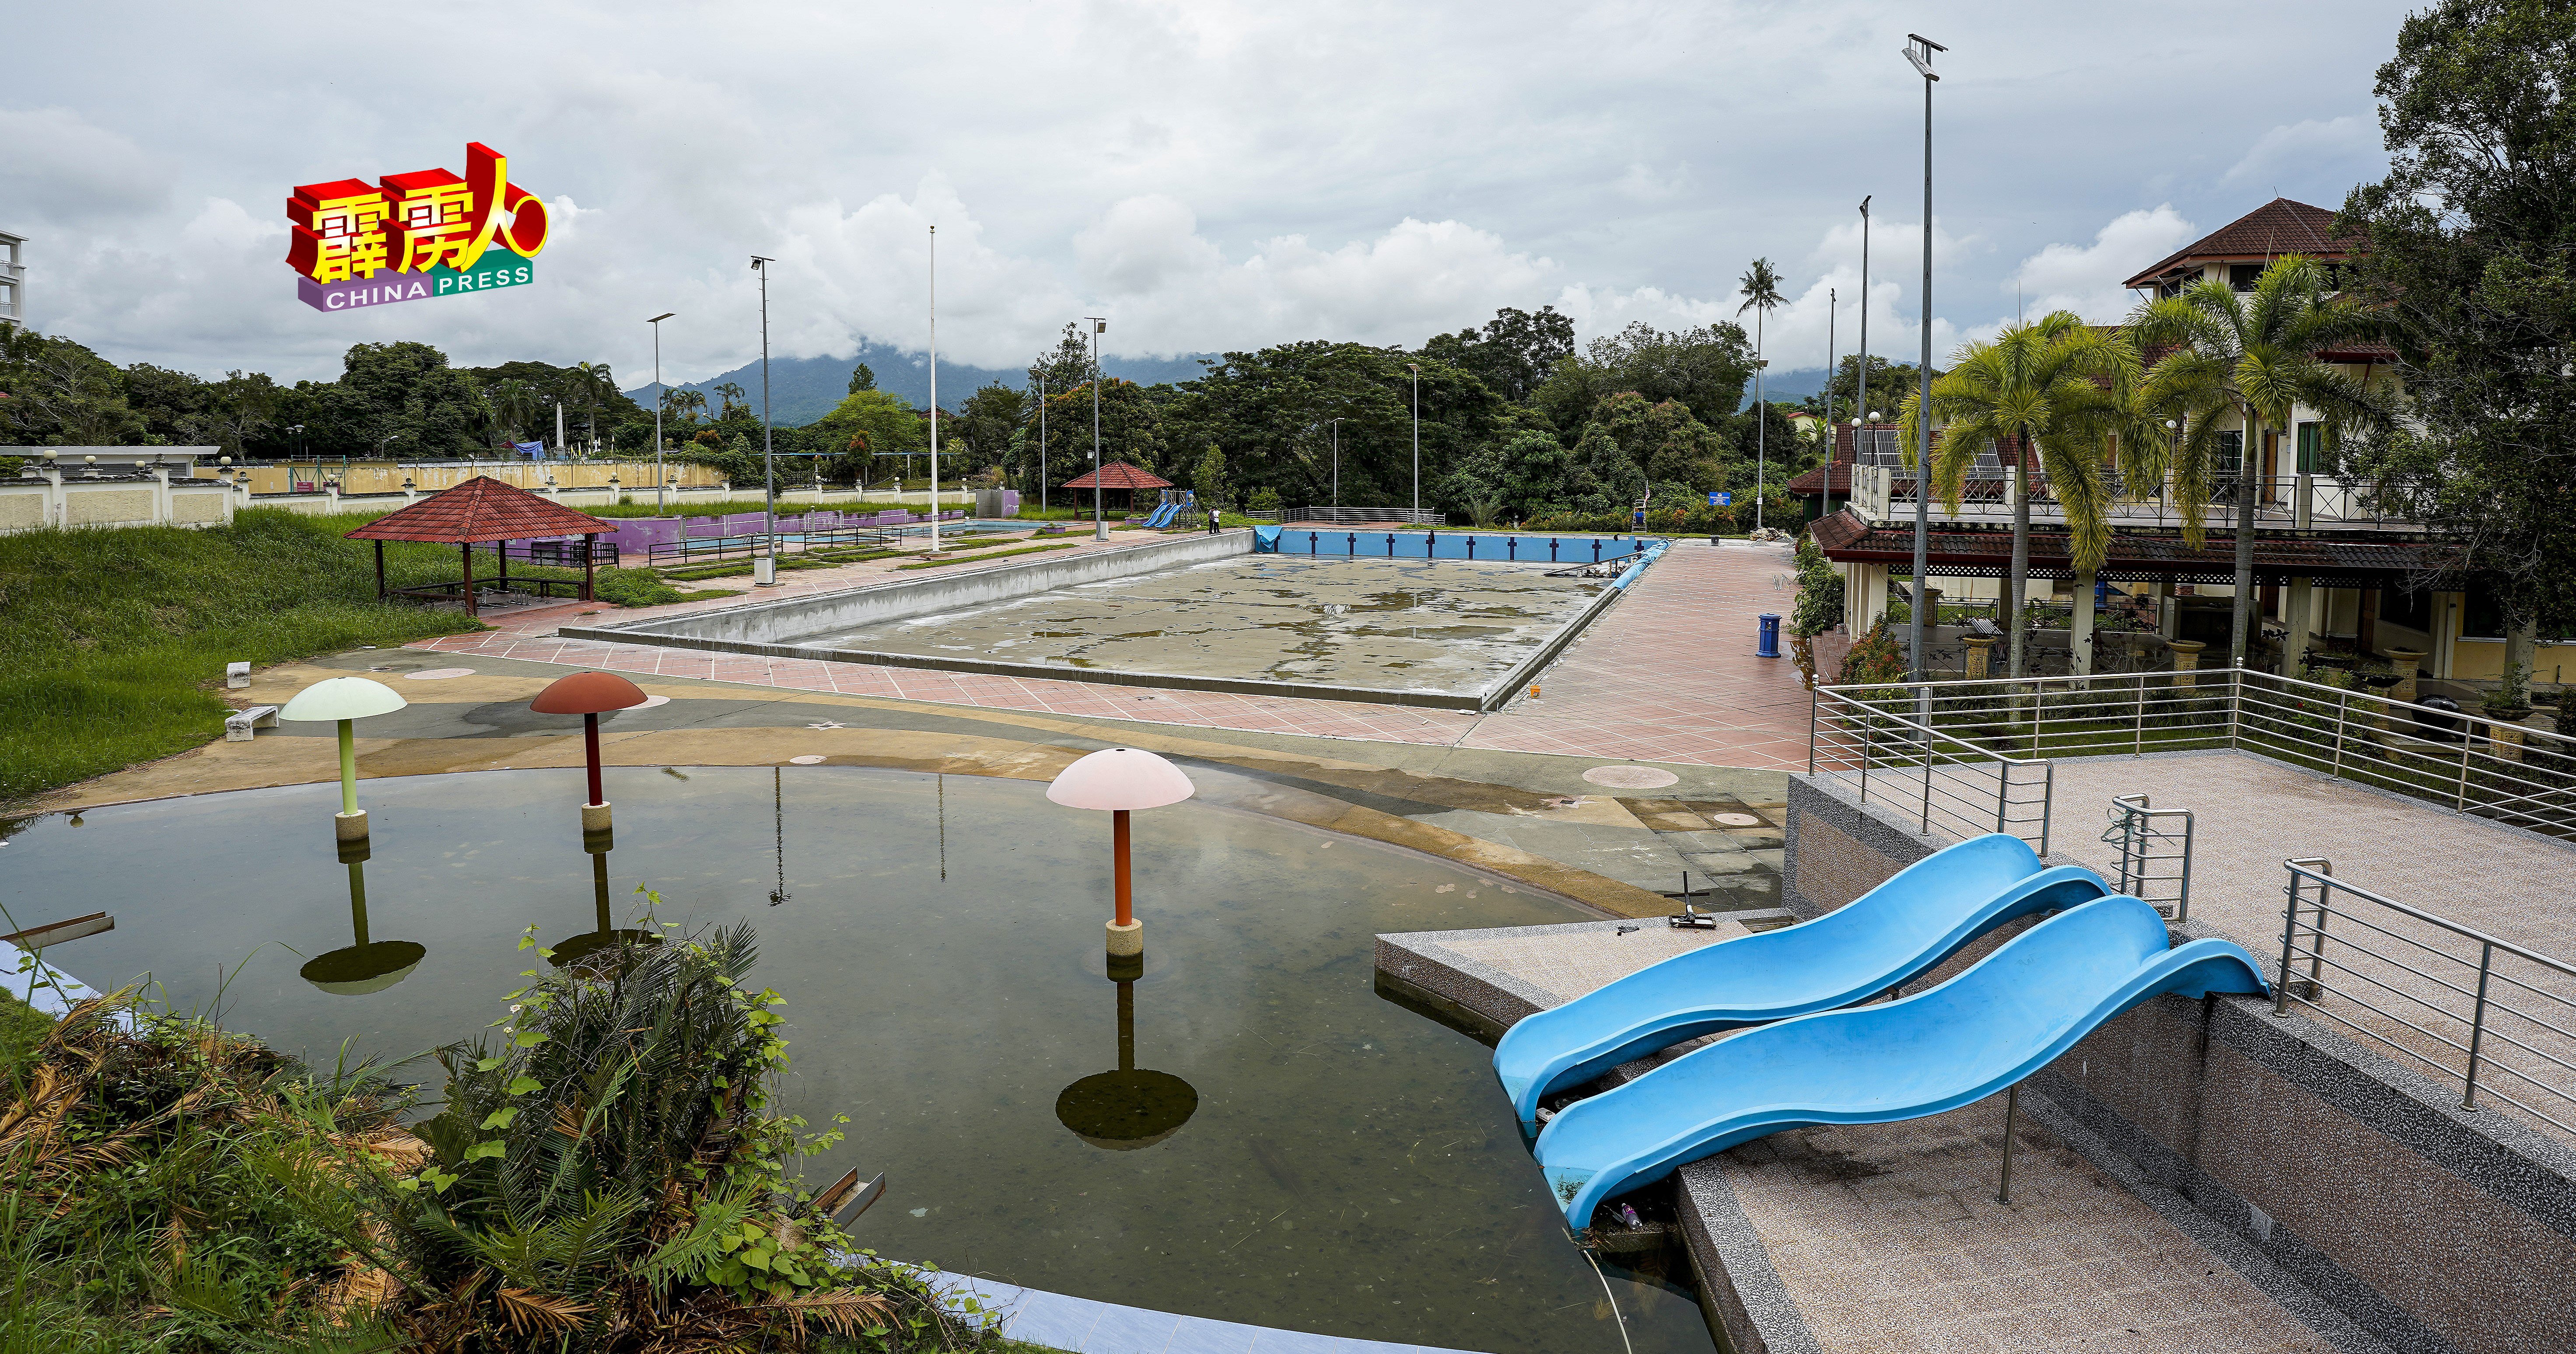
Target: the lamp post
(934, 393)
(1337, 463)
(1920, 53)
(1099, 523)
(660, 398)
(589, 695)
(1121, 780)
(1833, 312)
(345, 700)
(1416, 369)
(764, 567)
(1042, 446)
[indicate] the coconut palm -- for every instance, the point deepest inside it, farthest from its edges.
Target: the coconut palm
(2250, 357)
(731, 394)
(592, 382)
(2055, 387)
(1761, 288)
(516, 402)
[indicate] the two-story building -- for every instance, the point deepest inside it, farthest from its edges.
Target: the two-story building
(2334, 573)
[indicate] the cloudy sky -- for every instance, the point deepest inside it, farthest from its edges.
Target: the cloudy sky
(1211, 175)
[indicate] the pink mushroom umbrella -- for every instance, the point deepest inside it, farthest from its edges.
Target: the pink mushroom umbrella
(1121, 780)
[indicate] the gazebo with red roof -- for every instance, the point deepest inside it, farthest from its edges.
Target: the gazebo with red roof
(1118, 477)
(479, 511)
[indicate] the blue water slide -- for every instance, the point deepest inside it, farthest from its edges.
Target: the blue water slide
(1163, 515)
(2007, 1016)
(1893, 933)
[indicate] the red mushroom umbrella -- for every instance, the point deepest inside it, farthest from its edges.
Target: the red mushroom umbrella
(590, 695)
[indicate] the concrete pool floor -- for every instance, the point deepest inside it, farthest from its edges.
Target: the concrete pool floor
(1446, 626)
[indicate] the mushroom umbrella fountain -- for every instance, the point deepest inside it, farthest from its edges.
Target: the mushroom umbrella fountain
(1121, 780)
(345, 700)
(590, 695)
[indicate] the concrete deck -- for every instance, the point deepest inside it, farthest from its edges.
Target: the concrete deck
(2252, 813)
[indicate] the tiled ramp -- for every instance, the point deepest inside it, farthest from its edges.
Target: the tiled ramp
(1082, 1326)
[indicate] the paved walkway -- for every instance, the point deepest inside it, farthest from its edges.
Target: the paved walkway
(1666, 675)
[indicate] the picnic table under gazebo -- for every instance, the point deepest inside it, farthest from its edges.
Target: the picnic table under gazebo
(485, 511)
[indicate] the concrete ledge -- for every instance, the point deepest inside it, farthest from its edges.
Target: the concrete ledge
(1740, 1293)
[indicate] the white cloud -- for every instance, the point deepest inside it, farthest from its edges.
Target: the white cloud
(2291, 154)
(2086, 278)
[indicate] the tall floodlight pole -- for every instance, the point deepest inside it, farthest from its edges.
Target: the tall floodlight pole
(660, 398)
(1042, 447)
(1920, 53)
(1833, 312)
(1337, 463)
(1099, 467)
(934, 392)
(1416, 369)
(764, 567)
(1860, 406)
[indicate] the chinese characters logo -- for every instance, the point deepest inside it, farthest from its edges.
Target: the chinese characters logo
(414, 236)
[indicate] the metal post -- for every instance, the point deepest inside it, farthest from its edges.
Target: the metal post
(2138, 744)
(2460, 804)
(768, 453)
(1833, 312)
(1099, 466)
(934, 391)
(2235, 708)
(2343, 703)
(2478, 1024)
(1042, 445)
(1416, 369)
(660, 398)
(1921, 55)
(2012, 1109)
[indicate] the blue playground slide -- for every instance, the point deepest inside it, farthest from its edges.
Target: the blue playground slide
(1893, 933)
(2006, 1017)
(1163, 515)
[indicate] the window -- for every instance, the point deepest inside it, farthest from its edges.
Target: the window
(2243, 276)
(2412, 609)
(2230, 459)
(2311, 447)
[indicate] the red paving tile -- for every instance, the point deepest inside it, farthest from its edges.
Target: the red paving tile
(1667, 674)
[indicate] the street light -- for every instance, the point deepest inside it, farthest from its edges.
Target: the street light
(660, 398)
(1099, 523)
(1920, 54)
(1042, 446)
(1833, 313)
(1416, 369)
(764, 567)
(934, 393)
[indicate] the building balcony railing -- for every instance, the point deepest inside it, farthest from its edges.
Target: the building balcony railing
(1884, 495)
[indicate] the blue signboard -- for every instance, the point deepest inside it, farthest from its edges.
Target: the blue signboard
(1718, 499)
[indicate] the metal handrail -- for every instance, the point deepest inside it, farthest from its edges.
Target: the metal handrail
(2134, 828)
(2464, 760)
(2304, 937)
(1850, 736)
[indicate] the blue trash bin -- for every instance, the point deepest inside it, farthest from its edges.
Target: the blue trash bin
(1769, 647)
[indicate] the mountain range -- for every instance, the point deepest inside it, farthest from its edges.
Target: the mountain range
(802, 389)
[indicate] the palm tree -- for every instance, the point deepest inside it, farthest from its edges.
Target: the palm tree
(516, 403)
(2252, 357)
(1761, 287)
(731, 394)
(684, 404)
(2056, 386)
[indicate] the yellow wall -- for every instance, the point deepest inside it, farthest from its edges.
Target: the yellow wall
(386, 477)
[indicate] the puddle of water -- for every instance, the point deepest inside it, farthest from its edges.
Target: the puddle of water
(1247, 1133)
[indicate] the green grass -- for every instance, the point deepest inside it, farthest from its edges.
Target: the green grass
(989, 554)
(111, 642)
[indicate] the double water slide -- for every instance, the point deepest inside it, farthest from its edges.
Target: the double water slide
(1818, 1058)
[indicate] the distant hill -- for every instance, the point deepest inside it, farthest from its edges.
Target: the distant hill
(1786, 386)
(802, 389)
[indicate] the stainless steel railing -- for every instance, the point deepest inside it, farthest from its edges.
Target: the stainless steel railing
(2468, 762)
(2484, 1012)
(1873, 742)
(2155, 853)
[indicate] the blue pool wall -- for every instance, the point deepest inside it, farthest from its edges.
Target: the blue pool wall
(1515, 547)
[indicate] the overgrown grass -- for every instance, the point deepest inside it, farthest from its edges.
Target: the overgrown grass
(111, 641)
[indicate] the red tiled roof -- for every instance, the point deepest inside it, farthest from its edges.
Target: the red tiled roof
(2278, 227)
(480, 509)
(1844, 537)
(1120, 475)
